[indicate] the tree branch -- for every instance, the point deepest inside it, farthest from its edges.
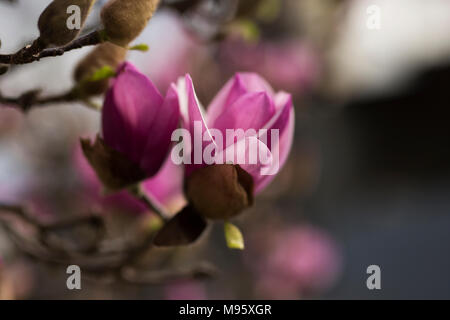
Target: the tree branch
(115, 265)
(36, 51)
(31, 98)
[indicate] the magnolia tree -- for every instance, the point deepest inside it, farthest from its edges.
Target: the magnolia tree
(154, 148)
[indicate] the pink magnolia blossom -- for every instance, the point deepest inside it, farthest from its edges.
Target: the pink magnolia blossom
(293, 261)
(291, 65)
(246, 102)
(137, 121)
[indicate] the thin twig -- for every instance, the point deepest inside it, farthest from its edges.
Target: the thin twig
(202, 270)
(137, 192)
(116, 267)
(35, 52)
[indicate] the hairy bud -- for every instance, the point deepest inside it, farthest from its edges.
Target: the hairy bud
(124, 20)
(220, 191)
(55, 25)
(105, 54)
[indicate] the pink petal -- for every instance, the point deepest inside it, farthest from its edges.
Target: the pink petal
(250, 111)
(167, 186)
(240, 84)
(192, 112)
(131, 107)
(232, 90)
(284, 120)
(254, 83)
(242, 147)
(159, 133)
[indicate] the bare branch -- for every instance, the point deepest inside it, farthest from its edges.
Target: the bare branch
(36, 51)
(114, 265)
(31, 98)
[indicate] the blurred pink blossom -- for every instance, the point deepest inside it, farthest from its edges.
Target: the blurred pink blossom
(293, 261)
(289, 65)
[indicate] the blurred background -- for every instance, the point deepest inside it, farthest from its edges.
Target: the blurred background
(367, 181)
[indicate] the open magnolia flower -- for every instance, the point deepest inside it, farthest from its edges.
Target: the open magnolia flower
(245, 113)
(220, 177)
(137, 123)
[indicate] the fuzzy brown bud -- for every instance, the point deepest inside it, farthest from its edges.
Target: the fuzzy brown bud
(105, 54)
(55, 25)
(124, 20)
(220, 191)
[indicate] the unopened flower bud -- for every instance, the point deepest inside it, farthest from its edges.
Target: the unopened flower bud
(220, 191)
(62, 21)
(105, 54)
(128, 152)
(124, 20)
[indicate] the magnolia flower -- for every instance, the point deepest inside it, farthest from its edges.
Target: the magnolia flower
(291, 65)
(137, 123)
(247, 102)
(258, 126)
(292, 261)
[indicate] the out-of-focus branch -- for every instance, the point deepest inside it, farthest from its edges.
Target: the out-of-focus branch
(202, 270)
(31, 98)
(115, 264)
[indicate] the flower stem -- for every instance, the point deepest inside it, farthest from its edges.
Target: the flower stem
(137, 192)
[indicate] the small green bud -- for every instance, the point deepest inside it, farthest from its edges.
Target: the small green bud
(62, 21)
(233, 236)
(124, 20)
(140, 47)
